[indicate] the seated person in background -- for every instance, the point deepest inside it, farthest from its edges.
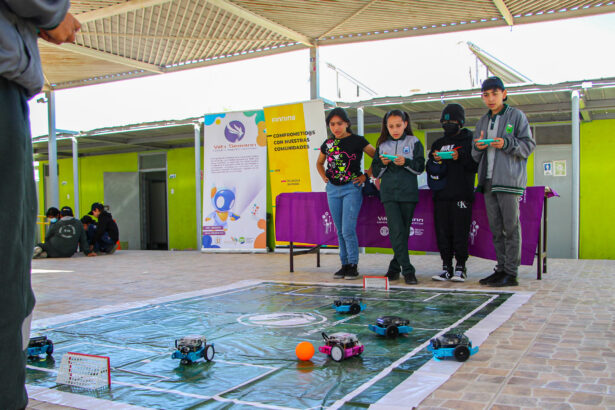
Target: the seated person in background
(53, 215)
(107, 234)
(63, 237)
(89, 226)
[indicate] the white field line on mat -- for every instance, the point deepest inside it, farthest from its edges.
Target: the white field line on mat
(431, 297)
(339, 403)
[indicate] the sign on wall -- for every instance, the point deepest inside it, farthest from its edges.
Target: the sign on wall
(234, 184)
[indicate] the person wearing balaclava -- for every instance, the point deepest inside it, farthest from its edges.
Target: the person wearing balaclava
(452, 183)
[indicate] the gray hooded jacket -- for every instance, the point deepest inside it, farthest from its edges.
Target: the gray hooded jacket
(19, 23)
(510, 162)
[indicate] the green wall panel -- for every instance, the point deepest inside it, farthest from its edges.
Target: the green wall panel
(91, 176)
(597, 234)
(182, 199)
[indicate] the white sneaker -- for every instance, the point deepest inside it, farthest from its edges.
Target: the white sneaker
(459, 275)
(37, 252)
(447, 274)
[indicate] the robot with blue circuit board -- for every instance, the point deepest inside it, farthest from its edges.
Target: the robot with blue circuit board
(39, 345)
(452, 345)
(192, 348)
(349, 304)
(391, 326)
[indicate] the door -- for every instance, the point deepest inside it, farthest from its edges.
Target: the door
(154, 205)
(553, 168)
(122, 198)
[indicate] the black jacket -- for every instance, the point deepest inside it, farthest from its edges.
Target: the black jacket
(106, 224)
(461, 173)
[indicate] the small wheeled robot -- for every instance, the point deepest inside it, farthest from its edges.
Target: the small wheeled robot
(391, 326)
(341, 346)
(192, 348)
(452, 345)
(349, 304)
(39, 345)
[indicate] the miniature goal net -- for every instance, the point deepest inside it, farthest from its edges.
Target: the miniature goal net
(84, 370)
(376, 282)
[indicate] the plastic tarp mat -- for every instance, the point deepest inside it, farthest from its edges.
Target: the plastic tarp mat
(255, 327)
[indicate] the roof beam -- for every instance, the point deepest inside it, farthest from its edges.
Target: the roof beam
(503, 9)
(121, 143)
(347, 19)
(262, 21)
(178, 38)
(121, 8)
(108, 57)
(375, 110)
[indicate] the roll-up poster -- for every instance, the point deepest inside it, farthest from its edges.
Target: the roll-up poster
(294, 135)
(234, 183)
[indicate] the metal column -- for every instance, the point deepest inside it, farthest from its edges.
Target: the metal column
(361, 130)
(576, 158)
(197, 180)
(76, 177)
(52, 151)
(314, 74)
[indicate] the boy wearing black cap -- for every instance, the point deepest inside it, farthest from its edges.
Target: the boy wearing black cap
(53, 214)
(107, 233)
(89, 226)
(63, 237)
(452, 183)
(502, 176)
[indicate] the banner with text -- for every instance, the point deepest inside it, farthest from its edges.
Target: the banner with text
(294, 135)
(234, 184)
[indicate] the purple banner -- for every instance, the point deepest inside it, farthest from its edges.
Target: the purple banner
(304, 217)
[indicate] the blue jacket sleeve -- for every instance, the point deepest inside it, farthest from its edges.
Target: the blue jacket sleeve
(46, 14)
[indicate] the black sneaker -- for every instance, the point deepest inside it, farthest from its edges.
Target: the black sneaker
(447, 274)
(506, 280)
(341, 273)
(410, 279)
(496, 275)
(113, 249)
(392, 275)
(352, 272)
(460, 274)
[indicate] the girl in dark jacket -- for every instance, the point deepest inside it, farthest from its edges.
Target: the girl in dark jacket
(398, 161)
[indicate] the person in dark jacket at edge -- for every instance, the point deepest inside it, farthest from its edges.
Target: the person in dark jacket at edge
(63, 237)
(107, 233)
(22, 22)
(452, 184)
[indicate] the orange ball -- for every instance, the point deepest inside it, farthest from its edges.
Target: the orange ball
(304, 351)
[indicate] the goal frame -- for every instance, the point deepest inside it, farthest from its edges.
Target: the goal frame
(103, 359)
(366, 279)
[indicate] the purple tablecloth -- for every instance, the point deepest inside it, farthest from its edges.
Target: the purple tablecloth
(304, 217)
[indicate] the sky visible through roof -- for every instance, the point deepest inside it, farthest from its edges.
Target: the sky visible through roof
(552, 52)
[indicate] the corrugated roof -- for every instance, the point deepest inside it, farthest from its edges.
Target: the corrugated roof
(134, 38)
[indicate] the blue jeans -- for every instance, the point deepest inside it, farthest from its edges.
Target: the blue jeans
(345, 204)
(91, 233)
(104, 244)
